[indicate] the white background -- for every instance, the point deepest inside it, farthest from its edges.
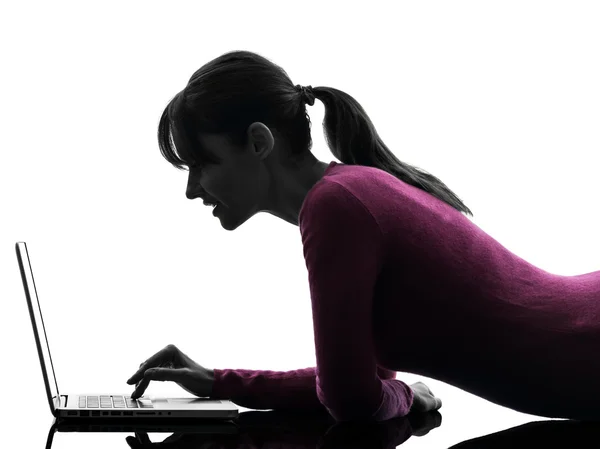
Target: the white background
(499, 99)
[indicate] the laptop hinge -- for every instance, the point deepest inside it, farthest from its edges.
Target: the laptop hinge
(62, 400)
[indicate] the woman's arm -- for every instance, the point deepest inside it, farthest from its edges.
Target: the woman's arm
(385, 374)
(273, 389)
(267, 389)
(345, 252)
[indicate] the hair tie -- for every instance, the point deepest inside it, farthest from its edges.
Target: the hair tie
(307, 94)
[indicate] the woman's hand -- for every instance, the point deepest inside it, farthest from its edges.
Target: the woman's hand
(171, 364)
(424, 400)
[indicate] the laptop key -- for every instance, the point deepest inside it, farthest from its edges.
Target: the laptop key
(119, 401)
(131, 403)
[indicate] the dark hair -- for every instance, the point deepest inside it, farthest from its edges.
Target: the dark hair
(238, 88)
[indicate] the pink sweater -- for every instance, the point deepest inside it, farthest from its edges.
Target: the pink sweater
(401, 281)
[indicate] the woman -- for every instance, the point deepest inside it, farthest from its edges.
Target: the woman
(400, 279)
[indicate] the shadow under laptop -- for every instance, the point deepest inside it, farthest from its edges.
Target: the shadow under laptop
(319, 430)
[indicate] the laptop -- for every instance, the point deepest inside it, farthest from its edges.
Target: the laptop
(96, 405)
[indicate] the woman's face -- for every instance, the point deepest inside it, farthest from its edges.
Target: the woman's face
(246, 180)
(231, 176)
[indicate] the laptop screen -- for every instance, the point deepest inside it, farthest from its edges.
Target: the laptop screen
(37, 321)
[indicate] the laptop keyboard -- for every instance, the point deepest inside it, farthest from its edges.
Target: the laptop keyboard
(113, 402)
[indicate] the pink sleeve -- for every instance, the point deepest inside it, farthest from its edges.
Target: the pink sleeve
(293, 390)
(344, 255)
(385, 374)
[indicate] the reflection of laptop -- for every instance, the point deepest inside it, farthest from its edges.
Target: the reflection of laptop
(194, 431)
(91, 405)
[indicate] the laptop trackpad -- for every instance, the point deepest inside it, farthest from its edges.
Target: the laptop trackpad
(192, 402)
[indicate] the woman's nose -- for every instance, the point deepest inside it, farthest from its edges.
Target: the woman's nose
(192, 189)
(192, 192)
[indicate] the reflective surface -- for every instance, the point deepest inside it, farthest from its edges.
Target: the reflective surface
(294, 430)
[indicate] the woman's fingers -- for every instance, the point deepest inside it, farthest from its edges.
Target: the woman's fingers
(433, 403)
(424, 399)
(165, 354)
(140, 388)
(162, 374)
(143, 437)
(437, 402)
